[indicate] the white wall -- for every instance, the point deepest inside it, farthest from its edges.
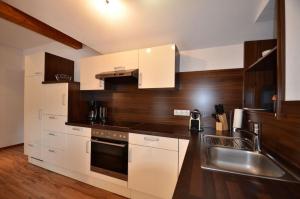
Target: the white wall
(292, 90)
(66, 52)
(222, 57)
(11, 96)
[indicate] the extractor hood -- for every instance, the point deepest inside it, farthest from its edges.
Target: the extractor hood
(118, 73)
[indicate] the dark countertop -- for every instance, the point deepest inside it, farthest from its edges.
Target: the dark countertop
(197, 183)
(163, 130)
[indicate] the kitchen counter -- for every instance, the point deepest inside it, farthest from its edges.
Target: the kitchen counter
(197, 183)
(164, 130)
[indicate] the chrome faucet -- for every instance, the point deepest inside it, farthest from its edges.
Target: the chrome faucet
(255, 131)
(257, 139)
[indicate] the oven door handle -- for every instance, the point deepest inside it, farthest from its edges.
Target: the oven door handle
(108, 143)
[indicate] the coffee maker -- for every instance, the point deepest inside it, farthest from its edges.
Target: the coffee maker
(93, 113)
(195, 121)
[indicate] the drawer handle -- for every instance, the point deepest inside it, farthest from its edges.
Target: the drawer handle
(38, 73)
(76, 129)
(151, 139)
(51, 151)
(52, 134)
(52, 117)
(31, 145)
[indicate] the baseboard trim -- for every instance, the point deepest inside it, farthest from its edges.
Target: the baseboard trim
(11, 146)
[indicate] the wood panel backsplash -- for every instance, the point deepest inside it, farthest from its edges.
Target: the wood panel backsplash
(196, 90)
(280, 137)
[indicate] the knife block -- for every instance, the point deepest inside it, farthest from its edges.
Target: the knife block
(223, 120)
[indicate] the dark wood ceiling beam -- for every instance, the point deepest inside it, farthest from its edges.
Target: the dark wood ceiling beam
(16, 16)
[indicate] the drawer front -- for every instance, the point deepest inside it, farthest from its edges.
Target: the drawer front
(79, 131)
(55, 123)
(154, 141)
(54, 140)
(53, 156)
(33, 150)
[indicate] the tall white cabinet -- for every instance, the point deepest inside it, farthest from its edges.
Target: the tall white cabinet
(33, 90)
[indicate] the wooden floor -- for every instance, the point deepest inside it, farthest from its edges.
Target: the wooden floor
(21, 180)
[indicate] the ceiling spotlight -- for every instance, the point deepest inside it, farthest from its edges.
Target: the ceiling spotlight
(107, 1)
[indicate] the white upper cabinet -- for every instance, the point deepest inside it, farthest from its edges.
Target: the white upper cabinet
(292, 65)
(157, 67)
(35, 64)
(91, 66)
(55, 99)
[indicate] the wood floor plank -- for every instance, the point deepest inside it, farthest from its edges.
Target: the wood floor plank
(21, 180)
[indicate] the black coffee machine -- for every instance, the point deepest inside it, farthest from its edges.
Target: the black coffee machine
(195, 121)
(94, 111)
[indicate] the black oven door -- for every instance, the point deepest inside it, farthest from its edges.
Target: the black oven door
(109, 157)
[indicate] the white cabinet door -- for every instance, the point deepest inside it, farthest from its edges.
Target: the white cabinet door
(88, 70)
(152, 171)
(35, 64)
(78, 154)
(55, 99)
(91, 66)
(33, 115)
(183, 145)
(157, 67)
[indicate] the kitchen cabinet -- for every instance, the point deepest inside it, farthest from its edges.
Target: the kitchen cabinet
(157, 67)
(91, 66)
(54, 156)
(55, 99)
(78, 153)
(34, 64)
(32, 114)
(182, 148)
(152, 170)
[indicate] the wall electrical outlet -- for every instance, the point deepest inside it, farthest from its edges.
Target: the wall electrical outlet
(178, 112)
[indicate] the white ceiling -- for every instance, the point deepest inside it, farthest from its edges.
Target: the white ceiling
(18, 37)
(191, 24)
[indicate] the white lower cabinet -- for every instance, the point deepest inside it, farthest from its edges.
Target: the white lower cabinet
(54, 156)
(78, 154)
(152, 171)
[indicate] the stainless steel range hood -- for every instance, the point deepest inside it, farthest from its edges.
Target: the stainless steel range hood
(118, 73)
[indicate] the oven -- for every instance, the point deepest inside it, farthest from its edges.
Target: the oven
(109, 153)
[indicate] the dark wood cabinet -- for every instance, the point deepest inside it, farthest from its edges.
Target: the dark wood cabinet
(57, 65)
(260, 74)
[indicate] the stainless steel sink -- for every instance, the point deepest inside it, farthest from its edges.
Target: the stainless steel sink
(240, 161)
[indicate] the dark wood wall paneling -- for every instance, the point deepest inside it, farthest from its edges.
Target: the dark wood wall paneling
(201, 90)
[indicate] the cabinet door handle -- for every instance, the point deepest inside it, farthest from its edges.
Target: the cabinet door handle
(31, 145)
(63, 99)
(140, 79)
(51, 151)
(40, 114)
(87, 146)
(52, 117)
(75, 129)
(52, 134)
(151, 139)
(130, 154)
(38, 73)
